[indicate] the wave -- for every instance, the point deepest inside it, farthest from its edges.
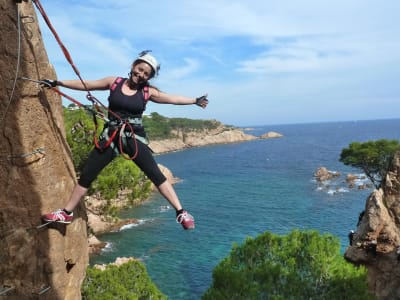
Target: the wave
(139, 222)
(109, 247)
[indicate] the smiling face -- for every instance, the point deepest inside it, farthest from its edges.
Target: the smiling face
(141, 72)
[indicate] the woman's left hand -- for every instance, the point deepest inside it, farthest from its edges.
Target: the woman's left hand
(202, 101)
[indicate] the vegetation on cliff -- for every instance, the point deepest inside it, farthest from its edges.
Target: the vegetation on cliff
(299, 265)
(373, 158)
(159, 127)
(127, 281)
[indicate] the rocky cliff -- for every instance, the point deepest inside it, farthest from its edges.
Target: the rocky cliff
(36, 171)
(376, 242)
(219, 135)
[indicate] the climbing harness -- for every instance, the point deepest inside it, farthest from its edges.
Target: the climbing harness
(114, 127)
(96, 103)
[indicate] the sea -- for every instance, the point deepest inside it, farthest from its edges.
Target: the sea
(238, 191)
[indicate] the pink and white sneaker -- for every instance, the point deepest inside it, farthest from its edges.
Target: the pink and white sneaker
(59, 216)
(186, 220)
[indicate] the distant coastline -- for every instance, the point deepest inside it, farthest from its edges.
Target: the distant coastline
(220, 135)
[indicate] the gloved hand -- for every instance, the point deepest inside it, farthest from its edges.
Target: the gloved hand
(48, 83)
(202, 101)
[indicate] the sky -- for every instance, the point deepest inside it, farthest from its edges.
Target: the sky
(262, 62)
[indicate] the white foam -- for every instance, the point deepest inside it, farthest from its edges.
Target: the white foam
(337, 191)
(129, 226)
(165, 208)
(108, 247)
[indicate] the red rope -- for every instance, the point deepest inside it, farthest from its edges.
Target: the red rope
(63, 48)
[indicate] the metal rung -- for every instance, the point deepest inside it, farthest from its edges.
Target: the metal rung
(43, 290)
(5, 289)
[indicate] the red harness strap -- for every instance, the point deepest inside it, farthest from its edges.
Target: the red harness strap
(115, 83)
(146, 94)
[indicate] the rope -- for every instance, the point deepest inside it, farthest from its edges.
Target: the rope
(89, 96)
(63, 48)
(17, 67)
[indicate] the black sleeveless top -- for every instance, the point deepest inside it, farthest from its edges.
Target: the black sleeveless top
(127, 106)
(123, 105)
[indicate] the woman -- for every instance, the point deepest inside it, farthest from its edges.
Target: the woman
(127, 102)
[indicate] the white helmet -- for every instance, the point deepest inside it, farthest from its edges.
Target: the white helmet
(150, 59)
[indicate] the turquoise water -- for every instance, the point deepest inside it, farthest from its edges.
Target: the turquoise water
(241, 190)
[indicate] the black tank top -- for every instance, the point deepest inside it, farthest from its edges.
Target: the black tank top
(124, 105)
(127, 106)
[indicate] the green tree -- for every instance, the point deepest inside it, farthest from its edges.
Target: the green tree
(128, 281)
(300, 265)
(157, 126)
(79, 128)
(373, 158)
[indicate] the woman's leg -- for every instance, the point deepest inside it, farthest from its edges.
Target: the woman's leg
(96, 161)
(145, 161)
(148, 165)
(166, 189)
(77, 193)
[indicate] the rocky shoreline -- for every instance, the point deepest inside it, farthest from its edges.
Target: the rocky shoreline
(222, 135)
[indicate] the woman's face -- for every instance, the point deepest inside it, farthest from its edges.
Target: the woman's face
(141, 72)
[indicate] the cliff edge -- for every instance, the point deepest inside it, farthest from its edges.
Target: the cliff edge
(36, 170)
(376, 242)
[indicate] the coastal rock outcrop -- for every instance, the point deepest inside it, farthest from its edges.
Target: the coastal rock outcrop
(376, 241)
(271, 135)
(323, 174)
(219, 135)
(36, 170)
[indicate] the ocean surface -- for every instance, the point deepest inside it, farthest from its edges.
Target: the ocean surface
(240, 190)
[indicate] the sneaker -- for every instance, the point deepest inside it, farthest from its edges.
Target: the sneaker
(59, 216)
(186, 220)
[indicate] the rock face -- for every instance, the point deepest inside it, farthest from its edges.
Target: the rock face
(36, 170)
(376, 242)
(323, 174)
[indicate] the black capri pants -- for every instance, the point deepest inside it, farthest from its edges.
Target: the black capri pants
(99, 159)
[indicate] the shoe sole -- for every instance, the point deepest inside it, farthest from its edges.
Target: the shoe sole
(189, 227)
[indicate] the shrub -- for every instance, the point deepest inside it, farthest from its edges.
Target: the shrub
(128, 281)
(300, 265)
